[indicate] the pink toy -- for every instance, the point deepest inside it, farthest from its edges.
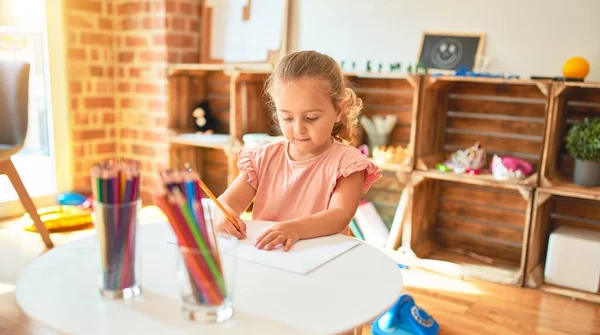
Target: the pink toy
(509, 167)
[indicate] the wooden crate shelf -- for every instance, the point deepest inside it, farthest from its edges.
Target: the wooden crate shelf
(508, 117)
(550, 212)
(467, 230)
(571, 103)
(391, 94)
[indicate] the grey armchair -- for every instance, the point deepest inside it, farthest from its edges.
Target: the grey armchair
(14, 96)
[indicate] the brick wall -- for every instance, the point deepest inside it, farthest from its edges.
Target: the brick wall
(143, 37)
(91, 72)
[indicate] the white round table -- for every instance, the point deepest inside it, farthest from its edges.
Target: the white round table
(59, 289)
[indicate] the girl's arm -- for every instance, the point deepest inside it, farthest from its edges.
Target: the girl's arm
(342, 207)
(235, 199)
(238, 196)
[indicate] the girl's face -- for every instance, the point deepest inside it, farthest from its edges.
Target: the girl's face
(306, 115)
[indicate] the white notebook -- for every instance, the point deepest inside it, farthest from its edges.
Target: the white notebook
(302, 258)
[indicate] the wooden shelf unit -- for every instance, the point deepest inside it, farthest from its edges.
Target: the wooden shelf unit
(550, 212)
(467, 229)
(508, 118)
(571, 103)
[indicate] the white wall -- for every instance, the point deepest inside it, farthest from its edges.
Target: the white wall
(523, 37)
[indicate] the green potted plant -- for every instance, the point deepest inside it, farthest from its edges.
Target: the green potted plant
(583, 143)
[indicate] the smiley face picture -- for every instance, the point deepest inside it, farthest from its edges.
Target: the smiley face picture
(446, 53)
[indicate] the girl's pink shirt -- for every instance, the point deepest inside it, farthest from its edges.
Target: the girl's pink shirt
(287, 189)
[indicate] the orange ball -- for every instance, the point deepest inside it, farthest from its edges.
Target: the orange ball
(576, 67)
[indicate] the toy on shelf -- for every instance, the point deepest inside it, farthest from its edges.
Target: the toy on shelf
(405, 318)
(469, 160)
(205, 122)
(576, 67)
(390, 154)
(505, 168)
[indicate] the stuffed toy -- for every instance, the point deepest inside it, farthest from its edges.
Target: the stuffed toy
(205, 122)
(504, 168)
(473, 158)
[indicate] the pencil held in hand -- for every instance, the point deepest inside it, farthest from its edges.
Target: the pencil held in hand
(228, 215)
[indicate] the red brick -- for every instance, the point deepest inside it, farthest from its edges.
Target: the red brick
(149, 88)
(154, 136)
(159, 39)
(99, 102)
(171, 6)
(154, 23)
(161, 121)
(130, 8)
(88, 134)
(124, 87)
(131, 23)
(137, 72)
(185, 8)
(190, 57)
(142, 150)
(96, 71)
(74, 103)
(88, 87)
(76, 54)
(81, 119)
(121, 73)
(78, 150)
(193, 25)
(157, 105)
(96, 39)
(75, 87)
(106, 24)
(109, 8)
(156, 7)
(178, 23)
(83, 5)
(104, 87)
(110, 72)
(133, 41)
(152, 56)
(79, 21)
(179, 40)
(129, 133)
(125, 56)
(132, 103)
(108, 118)
(94, 54)
(106, 148)
(174, 57)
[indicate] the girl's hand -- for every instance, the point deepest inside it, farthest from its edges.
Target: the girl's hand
(223, 225)
(278, 234)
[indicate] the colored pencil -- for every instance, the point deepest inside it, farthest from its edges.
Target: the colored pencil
(116, 193)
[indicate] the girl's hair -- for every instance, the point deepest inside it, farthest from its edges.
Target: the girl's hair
(317, 65)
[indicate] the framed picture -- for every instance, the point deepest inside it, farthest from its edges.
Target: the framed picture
(447, 51)
(244, 31)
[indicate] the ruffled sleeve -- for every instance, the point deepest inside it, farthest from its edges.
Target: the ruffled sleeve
(246, 162)
(360, 163)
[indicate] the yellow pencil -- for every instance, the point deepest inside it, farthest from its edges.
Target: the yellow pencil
(206, 190)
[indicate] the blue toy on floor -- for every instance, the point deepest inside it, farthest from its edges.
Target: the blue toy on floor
(405, 318)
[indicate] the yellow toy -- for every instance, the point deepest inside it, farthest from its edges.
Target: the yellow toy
(576, 67)
(61, 218)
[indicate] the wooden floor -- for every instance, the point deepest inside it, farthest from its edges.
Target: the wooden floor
(461, 307)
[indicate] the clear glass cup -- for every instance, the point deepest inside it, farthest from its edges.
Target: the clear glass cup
(206, 278)
(118, 262)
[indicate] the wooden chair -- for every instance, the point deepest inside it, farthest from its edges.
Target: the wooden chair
(14, 100)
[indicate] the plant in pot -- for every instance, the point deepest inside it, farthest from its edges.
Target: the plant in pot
(583, 143)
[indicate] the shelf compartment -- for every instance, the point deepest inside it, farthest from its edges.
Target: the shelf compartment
(570, 104)
(468, 230)
(550, 212)
(508, 117)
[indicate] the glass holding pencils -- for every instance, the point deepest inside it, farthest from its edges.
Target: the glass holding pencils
(116, 188)
(206, 261)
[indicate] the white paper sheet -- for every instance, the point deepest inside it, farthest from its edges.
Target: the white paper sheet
(302, 258)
